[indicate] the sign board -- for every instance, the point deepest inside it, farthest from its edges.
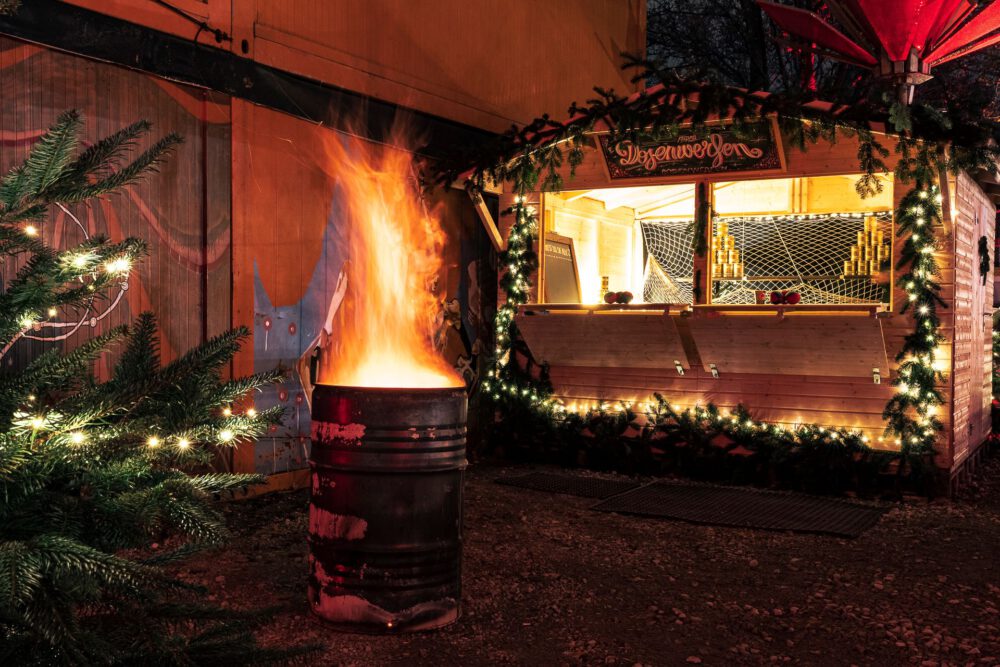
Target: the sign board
(562, 278)
(716, 150)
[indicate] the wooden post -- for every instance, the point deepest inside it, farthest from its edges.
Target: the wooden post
(702, 275)
(542, 223)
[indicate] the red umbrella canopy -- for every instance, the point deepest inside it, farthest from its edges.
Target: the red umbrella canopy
(898, 38)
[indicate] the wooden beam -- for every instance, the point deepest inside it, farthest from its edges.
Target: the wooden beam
(489, 224)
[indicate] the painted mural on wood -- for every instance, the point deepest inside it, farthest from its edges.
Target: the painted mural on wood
(181, 212)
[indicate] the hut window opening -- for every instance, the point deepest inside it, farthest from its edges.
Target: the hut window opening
(624, 239)
(801, 240)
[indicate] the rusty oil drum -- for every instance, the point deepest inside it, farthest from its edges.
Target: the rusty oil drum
(385, 515)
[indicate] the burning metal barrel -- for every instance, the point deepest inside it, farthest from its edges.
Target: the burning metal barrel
(385, 516)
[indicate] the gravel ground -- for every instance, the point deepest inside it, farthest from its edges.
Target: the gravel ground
(548, 582)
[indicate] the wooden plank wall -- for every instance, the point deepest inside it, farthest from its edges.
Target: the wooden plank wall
(182, 211)
(437, 56)
(975, 217)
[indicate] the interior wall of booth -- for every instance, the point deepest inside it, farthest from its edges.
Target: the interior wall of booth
(288, 259)
(182, 212)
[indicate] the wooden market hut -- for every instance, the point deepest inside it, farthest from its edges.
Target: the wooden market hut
(704, 328)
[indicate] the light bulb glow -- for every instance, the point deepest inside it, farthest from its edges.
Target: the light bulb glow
(118, 266)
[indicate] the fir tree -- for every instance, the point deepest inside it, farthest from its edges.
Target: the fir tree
(93, 472)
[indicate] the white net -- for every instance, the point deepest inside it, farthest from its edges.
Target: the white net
(669, 261)
(804, 254)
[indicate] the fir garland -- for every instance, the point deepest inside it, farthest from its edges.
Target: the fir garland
(911, 412)
(506, 382)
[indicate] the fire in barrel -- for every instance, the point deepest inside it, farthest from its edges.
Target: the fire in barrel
(388, 416)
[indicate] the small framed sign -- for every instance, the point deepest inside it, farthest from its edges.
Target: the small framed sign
(718, 150)
(562, 276)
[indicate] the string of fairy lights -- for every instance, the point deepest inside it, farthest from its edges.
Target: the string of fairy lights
(80, 265)
(910, 414)
(519, 261)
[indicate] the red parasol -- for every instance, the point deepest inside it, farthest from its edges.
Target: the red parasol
(901, 39)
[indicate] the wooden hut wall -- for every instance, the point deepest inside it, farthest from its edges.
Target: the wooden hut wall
(434, 57)
(972, 300)
(182, 212)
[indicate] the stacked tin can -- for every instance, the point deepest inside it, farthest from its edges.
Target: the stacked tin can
(869, 252)
(726, 258)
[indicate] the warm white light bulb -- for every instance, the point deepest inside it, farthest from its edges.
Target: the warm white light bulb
(251, 412)
(30, 230)
(77, 438)
(118, 266)
(226, 435)
(153, 441)
(183, 443)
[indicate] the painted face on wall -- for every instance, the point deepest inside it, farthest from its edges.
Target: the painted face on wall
(288, 337)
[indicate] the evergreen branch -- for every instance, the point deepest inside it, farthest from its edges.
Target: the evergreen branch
(219, 482)
(53, 152)
(107, 153)
(148, 162)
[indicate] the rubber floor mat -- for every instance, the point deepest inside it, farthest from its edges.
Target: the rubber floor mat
(746, 508)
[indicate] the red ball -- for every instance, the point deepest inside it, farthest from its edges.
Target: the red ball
(625, 297)
(610, 297)
(777, 297)
(793, 298)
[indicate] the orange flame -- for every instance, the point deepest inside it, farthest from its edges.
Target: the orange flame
(383, 332)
